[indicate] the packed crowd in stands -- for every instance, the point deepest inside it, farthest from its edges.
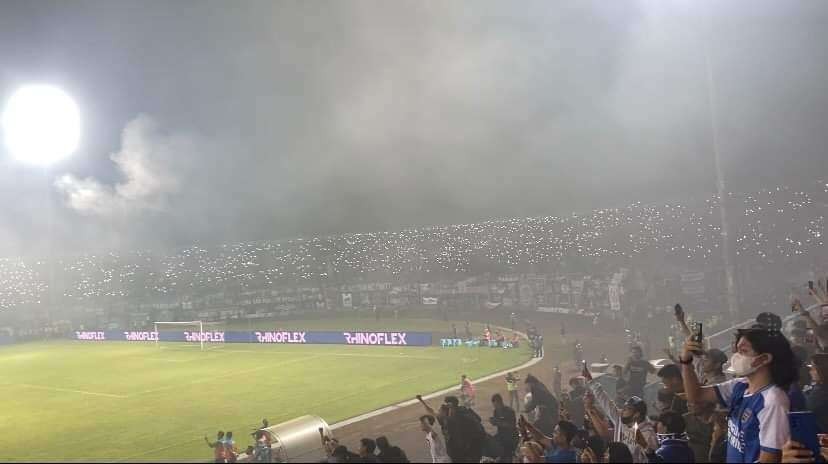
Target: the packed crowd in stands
(767, 402)
(781, 225)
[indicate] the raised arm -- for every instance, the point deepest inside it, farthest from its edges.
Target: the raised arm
(605, 404)
(681, 319)
(598, 422)
(536, 434)
(428, 408)
(692, 387)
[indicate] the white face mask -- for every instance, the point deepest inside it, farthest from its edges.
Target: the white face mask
(741, 365)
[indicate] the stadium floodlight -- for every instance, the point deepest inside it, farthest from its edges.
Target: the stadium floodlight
(41, 125)
(194, 324)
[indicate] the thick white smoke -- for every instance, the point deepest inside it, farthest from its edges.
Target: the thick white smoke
(147, 163)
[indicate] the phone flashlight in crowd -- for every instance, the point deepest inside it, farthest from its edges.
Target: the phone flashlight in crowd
(804, 430)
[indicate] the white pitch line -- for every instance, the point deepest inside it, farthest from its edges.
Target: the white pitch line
(387, 356)
(66, 390)
(230, 374)
(154, 450)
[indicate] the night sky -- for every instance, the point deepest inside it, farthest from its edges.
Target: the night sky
(215, 122)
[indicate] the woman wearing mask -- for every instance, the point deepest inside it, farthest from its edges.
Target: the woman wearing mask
(758, 404)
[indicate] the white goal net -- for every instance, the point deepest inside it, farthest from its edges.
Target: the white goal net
(203, 335)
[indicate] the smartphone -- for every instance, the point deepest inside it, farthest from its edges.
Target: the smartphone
(679, 312)
(811, 285)
(804, 429)
(697, 332)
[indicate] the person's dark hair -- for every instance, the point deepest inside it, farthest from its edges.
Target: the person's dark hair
(531, 379)
(618, 452)
(800, 356)
(597, 445)
(820, 363)
(568, 430)
(220, 433)
(673, 421)
(340, 452)
(716, 355)
(496, 398)
(452, 400)
(768, 320)
(670, 371)
(229, 435)
(783, 366)
(382, 443)
(369, 445)
(428, 418)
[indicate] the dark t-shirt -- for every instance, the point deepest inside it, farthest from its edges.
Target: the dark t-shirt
(638, 370)
(817, 402)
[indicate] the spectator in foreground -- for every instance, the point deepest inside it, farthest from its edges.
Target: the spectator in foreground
(757, 399)
(618, 452)
(366, 451)
(464, 432)
(231, 452)
(629, 421)
(620, 382)
(262, 452)
(575, 401)
(557, 448)
(540, 396)
(545, 420)
(636, 372)
(340, 454)
(816, 397)
(713, 367)
(718, 440)
(217, 446)
(467, 392)
(388, 453)
(512, 387)
(436, 448)
(699, 429)
(673, 446)
(670, 376)
(507, 435)
(613, 452)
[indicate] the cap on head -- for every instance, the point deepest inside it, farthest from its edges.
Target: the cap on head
(769, 321)
(637, 404)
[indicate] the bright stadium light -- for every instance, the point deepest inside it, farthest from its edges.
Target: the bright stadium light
(41, 125)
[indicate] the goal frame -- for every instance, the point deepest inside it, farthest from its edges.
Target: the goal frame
(200, 325)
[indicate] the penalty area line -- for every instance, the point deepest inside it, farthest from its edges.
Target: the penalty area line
(65, 390)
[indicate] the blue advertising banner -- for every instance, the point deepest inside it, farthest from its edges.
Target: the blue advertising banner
(308, 338)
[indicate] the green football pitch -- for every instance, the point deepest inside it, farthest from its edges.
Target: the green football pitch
(120, 401)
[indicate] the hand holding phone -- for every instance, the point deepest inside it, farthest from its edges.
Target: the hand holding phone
(585, 372)
(679, 312)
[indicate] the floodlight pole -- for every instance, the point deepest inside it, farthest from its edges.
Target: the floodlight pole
(729, 267)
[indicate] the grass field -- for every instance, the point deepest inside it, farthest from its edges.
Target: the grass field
(88, 401)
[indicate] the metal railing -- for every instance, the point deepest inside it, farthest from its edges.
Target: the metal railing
(723, 339)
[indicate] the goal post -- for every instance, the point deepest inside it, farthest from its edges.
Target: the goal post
(194, 324)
